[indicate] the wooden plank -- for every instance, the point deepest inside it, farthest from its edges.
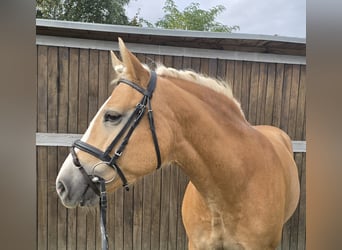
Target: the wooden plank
(195, 64)
(260, 119)
(253, 96)
(137, 214)
(147, 212)
(186, 63)
(104, 69)
(91, 229)
(177, 62)
(230, 74)
(110, 223)
(278, 91)
(128, 219)
(221, 70)
(286, 98)
(42, 196)
(62, 210)
(156, 212)
(42, 151)
(173, 214)
(119, 220)
(300, 122)
(63, 90)
(93, 84)
(212, 67)
(42, 89)
(269, 103)
(285, 241)
(52, 120)
(237, 86)
(293, 105)
(83, 91)
(245, 86)
(183, 180)
(302, 205)
(165, 208)
(73, 90)
(168, 61)
(204, 68)
(72, 128)
(294, 237)
(63, 66)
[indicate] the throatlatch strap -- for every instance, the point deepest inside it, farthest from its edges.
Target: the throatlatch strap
(154, 135)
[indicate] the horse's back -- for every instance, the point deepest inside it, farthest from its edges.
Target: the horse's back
(283, 146)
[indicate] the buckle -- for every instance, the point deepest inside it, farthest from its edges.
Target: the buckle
(118, 154)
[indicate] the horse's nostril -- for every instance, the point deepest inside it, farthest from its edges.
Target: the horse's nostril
(60, 188)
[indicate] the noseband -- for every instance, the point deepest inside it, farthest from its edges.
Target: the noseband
(125, 133)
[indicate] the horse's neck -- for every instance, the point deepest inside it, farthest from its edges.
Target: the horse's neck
(211, 130)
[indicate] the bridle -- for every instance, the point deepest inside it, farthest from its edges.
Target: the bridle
(97, 183)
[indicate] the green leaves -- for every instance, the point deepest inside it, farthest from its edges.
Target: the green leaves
(193, 18)
(93, 11)
(113, 12)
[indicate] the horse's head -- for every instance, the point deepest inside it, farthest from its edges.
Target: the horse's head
(119, 141)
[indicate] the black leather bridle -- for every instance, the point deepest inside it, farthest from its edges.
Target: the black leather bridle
(97, 183)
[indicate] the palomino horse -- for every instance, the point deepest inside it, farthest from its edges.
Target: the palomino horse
(243, 180)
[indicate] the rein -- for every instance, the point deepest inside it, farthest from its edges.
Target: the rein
(97, 183)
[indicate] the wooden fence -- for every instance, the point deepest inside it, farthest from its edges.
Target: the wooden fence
(72, 83)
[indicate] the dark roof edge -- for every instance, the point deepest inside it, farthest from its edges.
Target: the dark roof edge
(161, 32)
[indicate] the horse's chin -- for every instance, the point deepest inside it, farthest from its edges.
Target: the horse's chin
(81, 203)
(86, 198)
(89, 202)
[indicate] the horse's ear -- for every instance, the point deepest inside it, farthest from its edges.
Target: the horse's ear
(134, 70)
(116, 63)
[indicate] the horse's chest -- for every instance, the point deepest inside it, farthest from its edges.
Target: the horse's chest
(217, 240)
(219, 244)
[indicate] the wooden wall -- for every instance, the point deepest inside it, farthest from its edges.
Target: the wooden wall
(73, 83)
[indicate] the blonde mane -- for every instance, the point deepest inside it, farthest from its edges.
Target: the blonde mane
(218, 86)
(188, 75)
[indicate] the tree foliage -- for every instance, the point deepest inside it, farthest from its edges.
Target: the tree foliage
(49, 9)
(113, 12)
(193, 18)
(93, 11)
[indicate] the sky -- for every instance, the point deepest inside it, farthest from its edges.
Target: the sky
(263, 17)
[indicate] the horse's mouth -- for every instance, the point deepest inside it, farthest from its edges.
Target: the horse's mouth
(84, 198)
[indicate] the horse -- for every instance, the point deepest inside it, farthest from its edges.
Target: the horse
(244, 182)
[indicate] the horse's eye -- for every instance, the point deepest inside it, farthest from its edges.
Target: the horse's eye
(112, 117)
